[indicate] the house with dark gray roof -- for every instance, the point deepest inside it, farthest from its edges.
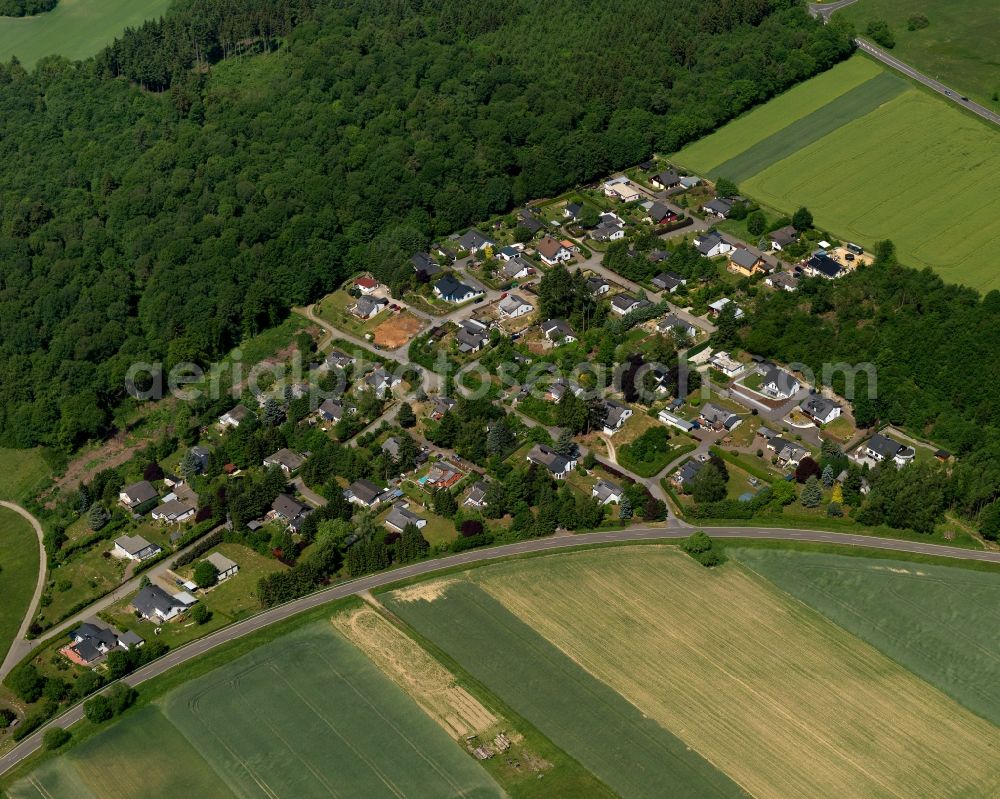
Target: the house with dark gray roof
(527, 219)
(234, 417)
(424, 265)
(616, 416)
(289, 510)
(606, 492)
(598, 286)
(822, 265)
(711, 244)
(667, 179)
(364, 493)
(672, 322)
(517, 268)
(137, 494)
(776, 382)
(686, 473)
(401, 515)
(668, 281)
(155, 604)
(367, 307)
(476, 497)
(451, 289)
(718, 418)
(284, 459)
(134, 547)
(623, 303)
(744, 262)
(333, 410)
(881, 448)
(782, 237)
(559, 466)
(473, 241)
(721, 207)
(820, 409)
(558, 332)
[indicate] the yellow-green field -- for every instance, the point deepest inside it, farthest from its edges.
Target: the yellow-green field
(776, 696)
(74, 28)
(873, 158)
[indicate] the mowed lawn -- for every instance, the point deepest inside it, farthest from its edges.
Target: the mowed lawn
(940, 622)
(22, 472)
(916, 171)
(630, 753)
(959, 47)
(309, 716)
(140, 757)
(18, 573)
(75, 29)
(781, 699)
(773, 117)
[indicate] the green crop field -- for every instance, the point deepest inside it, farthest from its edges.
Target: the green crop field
(939, 622)
(632, 754)
(306, 715)
(874, 160)
(142, 756)
(22, 471)
(74, 28)
(771, 118)
(315, 717)
(18, 573)
(958, 47)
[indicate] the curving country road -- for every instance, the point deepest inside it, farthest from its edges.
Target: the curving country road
(426, 568)
(19, 646)
(825, 10)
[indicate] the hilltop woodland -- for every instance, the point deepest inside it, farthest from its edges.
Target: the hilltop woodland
(25, 8)
(186, 186)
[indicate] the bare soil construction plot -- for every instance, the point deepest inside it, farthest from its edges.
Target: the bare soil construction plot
(397, 330)
(778, 697)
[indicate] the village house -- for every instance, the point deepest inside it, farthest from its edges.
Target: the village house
(610, 228)
(784, 281)
(787, 453)
(173, 511)
(473, 241)
(450, 289)
(234, 417)
(623, 303)
(517, 269)
(527, 218)
(671, 323)
(820, 409)
(881, 448)
(745, 263)
(621, 188)
(472, 335)
(333, 410)
(368, 307)
(364, 493)
(442, 405)
(659, 214)
(284, 459)
(137, 494)
(681, 479)
(155, 604)
(783, 237)
(367, 284)
(558, 332)
(606, 492)
(513, 306)
(90, 642)
(822, 265)
(715, 308)
(425, 266)
(225, 567)
(337, 359)
(134, 547)
(201, 456)
(553, 251)
(380, 381)
(476, 497)
(616, 416)
(720, 207)
(776, 382)
(598, 286)
(725, 363)
(290, 511)
(673, 420)
(668, 179)
(508, 253)
(712, 245)
(442, 475)
(668, 281)
(718, 418)
(401, 515)
(558, 465)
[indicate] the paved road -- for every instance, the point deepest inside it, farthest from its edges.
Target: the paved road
(185, 653)
(825, 10)
(19, 647)
(952, 94)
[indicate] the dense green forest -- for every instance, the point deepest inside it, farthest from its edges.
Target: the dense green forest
(141, 225)
(25, 8)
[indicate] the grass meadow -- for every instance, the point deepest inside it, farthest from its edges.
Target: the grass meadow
(75, 29)
(752, 680)
(22, 472)
(18, 573)
(592, 723)
(958, 47)
(939, 622)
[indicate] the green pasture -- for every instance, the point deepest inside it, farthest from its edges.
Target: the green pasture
(142, 756)
(18, 573)
(915, 171)
(22, 472)
(940, 622)
(772, 117)
(609, 736)
(75, 29)
(849, 106)
(959, 47)
(309, 715)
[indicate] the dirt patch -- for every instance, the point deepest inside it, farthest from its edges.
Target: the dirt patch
(426, 592)
(397, 330)
(409, 666)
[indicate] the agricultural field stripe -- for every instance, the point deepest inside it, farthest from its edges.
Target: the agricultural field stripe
(632, 754)
(852, 105)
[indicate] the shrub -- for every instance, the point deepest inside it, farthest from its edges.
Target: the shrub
(878, 30)
(703, 549)
(205, 574)
(200, 613)
(55, 737)
(122, 697)
(917, 22)
(7, 717)
(98, 709)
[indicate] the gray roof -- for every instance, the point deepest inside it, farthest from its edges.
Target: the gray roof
(152, 598)
(134, 544)
(287, 508)
(714, 414)
(334, 410)
(364, 490)
(451, 287)
(473, 240)
(239, 413)
(818, 405)
(668, 280)
(96, 634)
(221, 562)
(604, 489)
(367, 305)
(172, 509)
(399, 517)
(339, 359)
(744, 258)
(884, 446)
(512, 303)
(557, 329)
(688, 471)
(549, 458)
(515, 265)
(615, 412)
(422, 262)
(131, 638)
(596, 283)
(784, 235)
(623, 301)
(285, 457)
(477, 493)
(658, 210)
(825, 265)
(706, 242)
(671, 322)
(667, 177)
(719, 205)
(782, 379)
(140, 492)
